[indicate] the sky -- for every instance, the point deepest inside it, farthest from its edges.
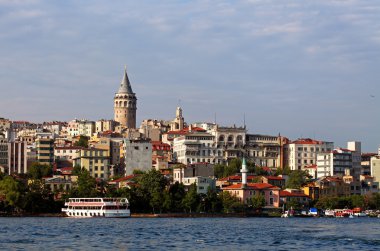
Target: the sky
(299, 68)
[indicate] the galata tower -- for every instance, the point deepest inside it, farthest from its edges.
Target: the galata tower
(125, 104)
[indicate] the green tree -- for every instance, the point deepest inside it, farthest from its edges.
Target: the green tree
(296, 179)
(374, 201)
(176, 193)
(11, 191)
(283, 171)
(213, 203)
(191, 199)
(86, 186)
(151, 186)
(37, 170)
(137, 171)
(77, 169)
(219, 171)
(39, 199)
(327, 203)
(82, 142)
(358, 201)
(230, 203)
(257, 202)
(292, 203)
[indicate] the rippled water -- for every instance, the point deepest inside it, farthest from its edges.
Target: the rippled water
(189, 234)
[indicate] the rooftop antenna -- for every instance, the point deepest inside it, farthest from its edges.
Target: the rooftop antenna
(215, 118)
(244, 120)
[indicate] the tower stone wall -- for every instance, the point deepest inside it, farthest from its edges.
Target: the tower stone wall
(125, 104)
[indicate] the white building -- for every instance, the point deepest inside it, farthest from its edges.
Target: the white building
(66, 152)
(193, 170)
(137, 155)
(303, 152)
(202, 183)
(81, 127)
(334, 163)
(194, 147)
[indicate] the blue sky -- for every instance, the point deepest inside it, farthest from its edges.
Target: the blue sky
(299, 68)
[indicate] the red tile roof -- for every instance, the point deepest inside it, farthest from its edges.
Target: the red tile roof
(289, 194)
(311, 166)
(252, 186)
(274, 178)
(306, 141)
(125, 178)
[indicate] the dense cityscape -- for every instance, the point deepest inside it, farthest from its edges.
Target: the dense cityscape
(174, 166)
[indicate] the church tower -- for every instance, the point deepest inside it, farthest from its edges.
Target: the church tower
(179, 122)
(125, 102)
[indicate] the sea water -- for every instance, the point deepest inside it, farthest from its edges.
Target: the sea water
(38, 233)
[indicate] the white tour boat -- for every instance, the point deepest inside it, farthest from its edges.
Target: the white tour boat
(97, 207)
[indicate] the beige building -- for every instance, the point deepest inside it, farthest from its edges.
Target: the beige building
(125, 104)
(153, 129)
(105, 125)
(375, 168)
(115, 148)
(96, 161)
(302, 153)
(265, 150)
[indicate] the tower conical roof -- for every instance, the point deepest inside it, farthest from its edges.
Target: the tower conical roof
(125, 85)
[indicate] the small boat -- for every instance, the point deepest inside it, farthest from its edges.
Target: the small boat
(97, 207)
(288, 213)
(329, 213)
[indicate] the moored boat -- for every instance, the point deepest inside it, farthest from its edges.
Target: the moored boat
(329, 213)
(97, 207)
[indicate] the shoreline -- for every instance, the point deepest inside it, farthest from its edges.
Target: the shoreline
(150, 215)
(172, 215)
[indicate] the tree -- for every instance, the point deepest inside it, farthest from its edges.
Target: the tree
(10, 189)
(39, 199)
(137, 171)
(292, 203)
(374, 201)
(358, 201)
(176, 193)
(219, 171)
(86, 185)
(191, 199)
(257, 202)
(296, 179)
(37, 170)
(283, 171)
(83, 141)
(151, 186)
(230, 203)
(213, 203)
(77, 169)
(327, 203)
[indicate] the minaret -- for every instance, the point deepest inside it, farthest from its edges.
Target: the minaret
(125, 104)
(244, 172)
